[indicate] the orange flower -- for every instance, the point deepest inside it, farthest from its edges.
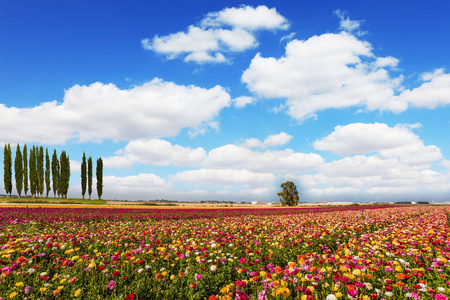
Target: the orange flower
(159, 277)
(350, 287)
(213, 297)
(400, 283)
(400, 276)
(181, 274)
(369, 276)
(255, 278)
(279, 270)
(21, 260)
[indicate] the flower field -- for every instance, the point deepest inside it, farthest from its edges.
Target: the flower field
(322, 253)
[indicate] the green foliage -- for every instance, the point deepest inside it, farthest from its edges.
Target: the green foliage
(83, 175)
(289, 195)
(18, 170)
(47, 173)
(33, 172)
(25, 169)
(7, 167)
(55, 174)
(99, 174)
(64, 174)
(40, 170)
(90, 177)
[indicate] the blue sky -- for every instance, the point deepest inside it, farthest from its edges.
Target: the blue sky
(196, 100)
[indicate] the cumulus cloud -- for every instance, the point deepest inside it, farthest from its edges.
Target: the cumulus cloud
(103, 111)
(243, 101)
(225, 31)
(366, 138)
(434, 92)
(225, 177)
(155, 152)
(285, 161)
(338, 71)
(271, 141)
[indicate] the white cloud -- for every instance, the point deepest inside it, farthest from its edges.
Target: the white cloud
(366, 138)
(225, 177)
(243, 101)
(75, 166)
(286, 161)
(434, 92)
(349, 25)
(271, 141)
(338, 71)
(247, 17)
(207, 43)
(155, 152)
(103, 111)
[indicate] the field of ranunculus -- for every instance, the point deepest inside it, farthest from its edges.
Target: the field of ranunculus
(324, 253)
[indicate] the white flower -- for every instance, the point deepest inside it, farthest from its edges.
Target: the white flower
(140, 271)
(147, 266)
(331, 297)
(213, 268)
(389, 294)
(31, 271)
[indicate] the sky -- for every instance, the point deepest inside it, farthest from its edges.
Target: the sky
(226, 100)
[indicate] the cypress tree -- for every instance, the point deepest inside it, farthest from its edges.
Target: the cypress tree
(7, 167)
(99, 174)
(18, 170)
(64, 171)
(47, 173)
(40, 170)
(25, 170)
(55, 173)
(83, 175)
(90, 177)
(33, 175)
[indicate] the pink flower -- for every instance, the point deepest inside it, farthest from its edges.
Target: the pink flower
(353, 293)
(111, 284)
(198, 276)
(242, 260)
(440, 297)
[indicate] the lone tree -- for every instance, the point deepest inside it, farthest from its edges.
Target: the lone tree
(7, 165)
(83, 175)
(89, 177)
(289, 195)
(99, 174)
(18, 170)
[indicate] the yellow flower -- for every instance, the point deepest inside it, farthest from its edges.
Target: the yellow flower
(75, 258)
(63, 281)
(77, 293)
(12, 295)
(19, 284)
(398, 269)
(43, 289)
(338, 295)
(60, 287)
(304, 297)
(356, 272)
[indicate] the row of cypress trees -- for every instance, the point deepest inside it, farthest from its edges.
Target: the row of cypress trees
(30, 175)
(86, 176)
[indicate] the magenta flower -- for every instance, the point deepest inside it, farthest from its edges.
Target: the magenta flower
(440, 297)
(242, 260)
(198, 276)
(353, 293)
(111, 284)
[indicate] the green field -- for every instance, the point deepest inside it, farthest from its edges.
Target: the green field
(52, 201)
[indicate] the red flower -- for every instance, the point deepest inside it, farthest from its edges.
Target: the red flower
(129, 297)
